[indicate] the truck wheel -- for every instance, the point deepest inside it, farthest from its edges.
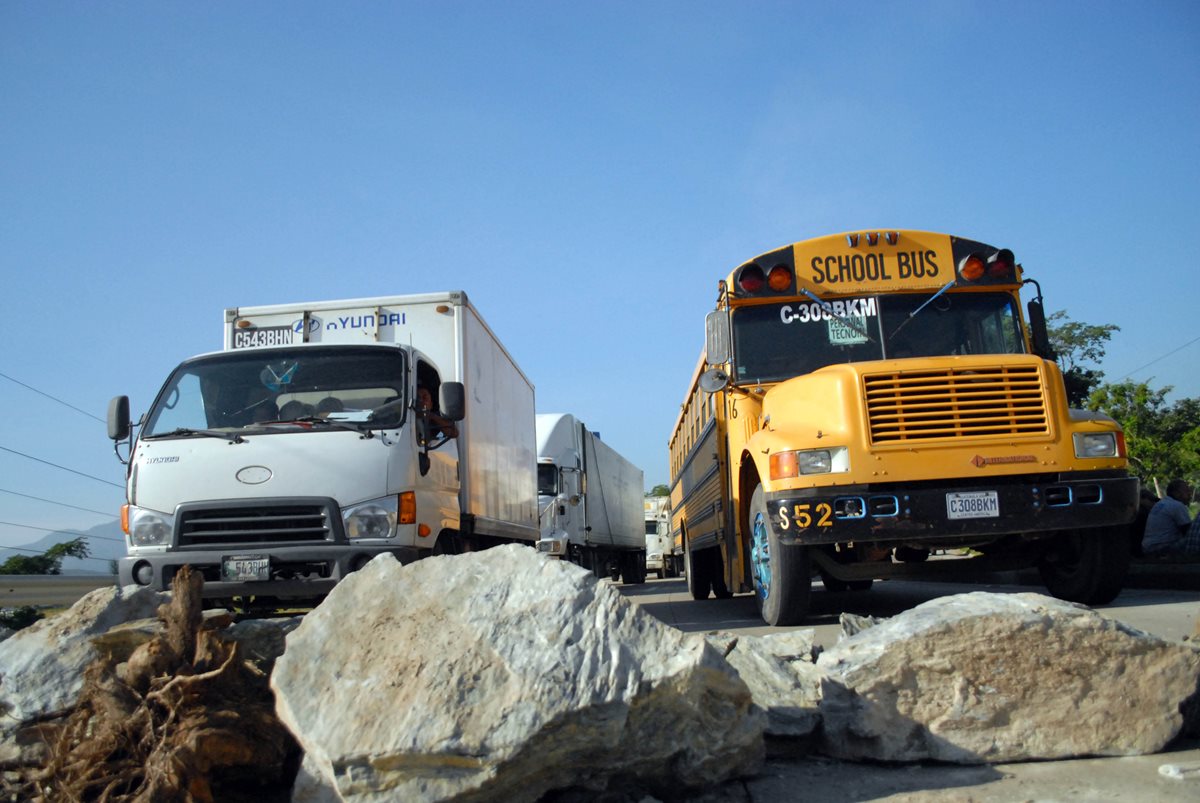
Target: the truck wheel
(1087, 566)
(699, 575)
(633, 569)
(782, 573)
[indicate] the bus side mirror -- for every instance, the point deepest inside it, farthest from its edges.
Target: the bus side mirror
(118, 418)
(1037, 331)
(452, 400)
(716, 337)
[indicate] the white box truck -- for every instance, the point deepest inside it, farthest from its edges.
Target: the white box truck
(311, 444)
(589, 500)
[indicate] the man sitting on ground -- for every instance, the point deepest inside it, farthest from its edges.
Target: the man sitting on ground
(1169, 528)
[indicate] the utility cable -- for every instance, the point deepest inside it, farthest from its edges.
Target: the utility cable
(108, 513)
(1159, 359)
(65, 532)
(43, 552)
(64, 468)
(52, 398)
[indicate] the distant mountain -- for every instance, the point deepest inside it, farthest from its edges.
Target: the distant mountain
(105, 542)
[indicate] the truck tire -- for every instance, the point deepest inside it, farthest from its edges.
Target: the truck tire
(782, 573)
(1087, 566)
(633, 568)
(699, 575)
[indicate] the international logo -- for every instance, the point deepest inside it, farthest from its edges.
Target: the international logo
(979, 461)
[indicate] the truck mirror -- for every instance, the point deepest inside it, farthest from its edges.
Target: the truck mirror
(716, 337)
(713, 379)
(118, 418)
(453, 400)
(1037, 330)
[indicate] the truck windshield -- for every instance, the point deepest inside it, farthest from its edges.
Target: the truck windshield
(261, 389)
(775, 342)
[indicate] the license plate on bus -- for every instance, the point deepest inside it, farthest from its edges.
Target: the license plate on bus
(245, 568)
(265, 336)
(973, 505)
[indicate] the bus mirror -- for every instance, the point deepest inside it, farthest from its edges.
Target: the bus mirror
(118, 418)
(453, 400)
(713, 379)
(1037, 330)
(716, 337)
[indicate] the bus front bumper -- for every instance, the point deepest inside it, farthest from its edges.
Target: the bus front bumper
(948, 512)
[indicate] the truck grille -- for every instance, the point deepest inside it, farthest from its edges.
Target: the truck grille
(999, 401)
(253, 524)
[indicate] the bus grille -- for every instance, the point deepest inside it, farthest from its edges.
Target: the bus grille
(256, 524)
(957, 403)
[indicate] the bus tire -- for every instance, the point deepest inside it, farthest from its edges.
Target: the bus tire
(782, 573)
(719, 586)
(1087, 566)
(699, 576)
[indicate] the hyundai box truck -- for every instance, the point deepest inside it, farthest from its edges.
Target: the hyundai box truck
(322, 435)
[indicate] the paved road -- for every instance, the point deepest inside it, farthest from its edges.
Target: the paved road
(1169, 614)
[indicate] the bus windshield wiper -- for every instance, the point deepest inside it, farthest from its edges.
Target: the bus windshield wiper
(828, 308)
(913, 314)
(185, 432)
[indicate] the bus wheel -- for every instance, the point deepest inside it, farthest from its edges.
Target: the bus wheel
(699, 575)
(1087, 566)
(782, 573)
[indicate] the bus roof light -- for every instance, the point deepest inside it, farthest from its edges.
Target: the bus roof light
(1000, 265)
(751, 279)
(892, 237)
(852, 240)
(971, 268)
(780, 278)
(873, 238)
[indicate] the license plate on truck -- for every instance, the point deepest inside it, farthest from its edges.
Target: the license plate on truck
(973, 505)
(244, 568)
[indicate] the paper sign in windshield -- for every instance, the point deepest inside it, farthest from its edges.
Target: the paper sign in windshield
(848, 332)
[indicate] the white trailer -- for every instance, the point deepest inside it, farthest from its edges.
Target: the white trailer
(302, 450)
(659, 557)
(589, 500)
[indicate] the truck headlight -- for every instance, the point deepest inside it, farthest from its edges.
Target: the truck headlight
(835, 460)
(149, 527)
(373, 519)
(1095, 444)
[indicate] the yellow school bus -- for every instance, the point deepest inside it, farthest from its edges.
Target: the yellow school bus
(875, 404)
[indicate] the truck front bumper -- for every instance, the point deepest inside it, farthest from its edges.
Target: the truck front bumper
(932, 512)
(295, 572)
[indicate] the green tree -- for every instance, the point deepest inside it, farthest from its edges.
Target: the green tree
(49, 562)
(659, 490)
(1078, 345)
(1163, 440)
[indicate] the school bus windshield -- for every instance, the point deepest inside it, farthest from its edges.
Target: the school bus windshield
(774, 342)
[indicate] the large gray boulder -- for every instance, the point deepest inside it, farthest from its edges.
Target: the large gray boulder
(782, 676)
(41, 666)
(503, 675)
(984, 678)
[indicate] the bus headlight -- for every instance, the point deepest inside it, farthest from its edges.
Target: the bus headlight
(835, 460)
(1095, 444)
(373, 519)
(149, 527)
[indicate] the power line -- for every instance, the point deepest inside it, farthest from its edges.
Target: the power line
(64, 468)
(1158, 359)
(60, 504)
(65, 532)
(52, 398)
(43, 552)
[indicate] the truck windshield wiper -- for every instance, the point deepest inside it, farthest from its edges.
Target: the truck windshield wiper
(332, 423)
(185, 432)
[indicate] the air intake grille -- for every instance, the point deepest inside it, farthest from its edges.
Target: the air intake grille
(258, 524)
(960, 403)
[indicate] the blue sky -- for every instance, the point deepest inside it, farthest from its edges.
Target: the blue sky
(585, 171)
